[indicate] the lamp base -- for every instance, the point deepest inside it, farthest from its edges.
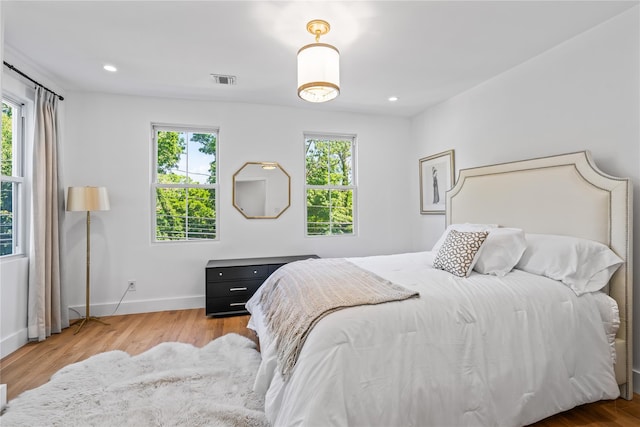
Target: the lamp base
(84, 321)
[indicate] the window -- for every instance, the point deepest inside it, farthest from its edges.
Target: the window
(330, 184)
(185, 183)
(12, 179)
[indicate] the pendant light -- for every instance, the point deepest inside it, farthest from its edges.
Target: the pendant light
(318, 67)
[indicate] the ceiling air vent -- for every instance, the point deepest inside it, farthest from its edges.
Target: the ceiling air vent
(222, 79)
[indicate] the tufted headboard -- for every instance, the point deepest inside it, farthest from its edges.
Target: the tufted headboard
(565, 194)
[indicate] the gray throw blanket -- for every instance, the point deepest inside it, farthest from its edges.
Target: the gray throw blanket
(298, 295)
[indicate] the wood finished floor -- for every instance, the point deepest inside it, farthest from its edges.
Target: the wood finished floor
(33, 364)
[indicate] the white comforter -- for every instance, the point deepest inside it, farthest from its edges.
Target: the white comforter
(481, 351)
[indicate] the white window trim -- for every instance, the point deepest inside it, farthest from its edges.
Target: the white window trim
(20, 229)
(155, 127)
(353, 186)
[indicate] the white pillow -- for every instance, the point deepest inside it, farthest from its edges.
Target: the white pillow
(583, 265)
(461, 227)
(458, 253)
(501, 251)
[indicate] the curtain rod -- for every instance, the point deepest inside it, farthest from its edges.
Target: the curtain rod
(12, 68)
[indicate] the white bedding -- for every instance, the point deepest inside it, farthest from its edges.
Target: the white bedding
(485, 350)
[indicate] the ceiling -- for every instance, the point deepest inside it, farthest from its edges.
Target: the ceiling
(423, 52)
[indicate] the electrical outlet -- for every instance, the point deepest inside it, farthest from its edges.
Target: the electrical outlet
(131, 286)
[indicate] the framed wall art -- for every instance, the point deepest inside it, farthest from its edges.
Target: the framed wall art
(436, 178)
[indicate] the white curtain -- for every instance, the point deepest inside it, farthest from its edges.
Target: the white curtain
(45, 312)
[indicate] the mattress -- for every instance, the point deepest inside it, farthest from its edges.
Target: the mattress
(481, 350)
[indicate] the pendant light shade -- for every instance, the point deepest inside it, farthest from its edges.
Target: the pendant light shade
(318, 67)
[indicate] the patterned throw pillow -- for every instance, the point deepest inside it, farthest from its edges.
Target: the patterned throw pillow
(458, 252)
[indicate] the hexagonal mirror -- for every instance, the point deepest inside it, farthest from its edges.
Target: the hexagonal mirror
(261, 190)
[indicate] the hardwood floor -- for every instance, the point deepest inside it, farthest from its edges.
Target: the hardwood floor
(33, 364)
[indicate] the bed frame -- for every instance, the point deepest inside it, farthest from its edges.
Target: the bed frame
(567, 195)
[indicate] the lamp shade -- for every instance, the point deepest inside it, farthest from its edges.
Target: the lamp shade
(87, 199)
(318, 72)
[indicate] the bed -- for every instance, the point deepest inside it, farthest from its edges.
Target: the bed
(502, 349)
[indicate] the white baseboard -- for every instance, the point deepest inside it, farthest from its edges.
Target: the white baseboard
(3, 396)
(140, 306)
(13, 342)
(636, 381)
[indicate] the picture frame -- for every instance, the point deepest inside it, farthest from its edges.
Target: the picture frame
(436, 178)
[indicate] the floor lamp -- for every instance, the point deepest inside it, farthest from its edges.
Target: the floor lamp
(87, 199)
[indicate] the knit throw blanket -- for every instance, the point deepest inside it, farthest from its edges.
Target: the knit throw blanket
(298, 295)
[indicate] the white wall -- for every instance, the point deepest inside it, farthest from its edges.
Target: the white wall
(582, 94)
(14, 269)
(107, 143)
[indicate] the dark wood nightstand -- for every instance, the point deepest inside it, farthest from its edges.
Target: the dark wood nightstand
(229, 283)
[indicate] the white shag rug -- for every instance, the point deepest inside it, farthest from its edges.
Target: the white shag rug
(172, 384)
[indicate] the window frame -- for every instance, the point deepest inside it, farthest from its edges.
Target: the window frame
(155, 128)
(17, 177)
(353, 186)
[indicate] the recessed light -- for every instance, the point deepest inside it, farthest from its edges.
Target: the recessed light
(393, 98)
(111, 68)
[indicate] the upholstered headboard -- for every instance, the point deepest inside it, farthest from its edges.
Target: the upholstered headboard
(567, 195)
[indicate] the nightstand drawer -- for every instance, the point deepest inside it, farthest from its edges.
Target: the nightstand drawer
(230, 283)
(239, 288)
(233, 273)
(226, 305)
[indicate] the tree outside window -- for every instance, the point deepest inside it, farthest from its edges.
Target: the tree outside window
(330, 185)
(12, 179)
(185, 183)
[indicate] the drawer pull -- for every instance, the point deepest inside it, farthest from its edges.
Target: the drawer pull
(234, 304)
(220, 274)
(255, 271)
(237, 289)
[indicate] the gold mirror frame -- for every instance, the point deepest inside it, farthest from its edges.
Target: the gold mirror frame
(259, 190)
